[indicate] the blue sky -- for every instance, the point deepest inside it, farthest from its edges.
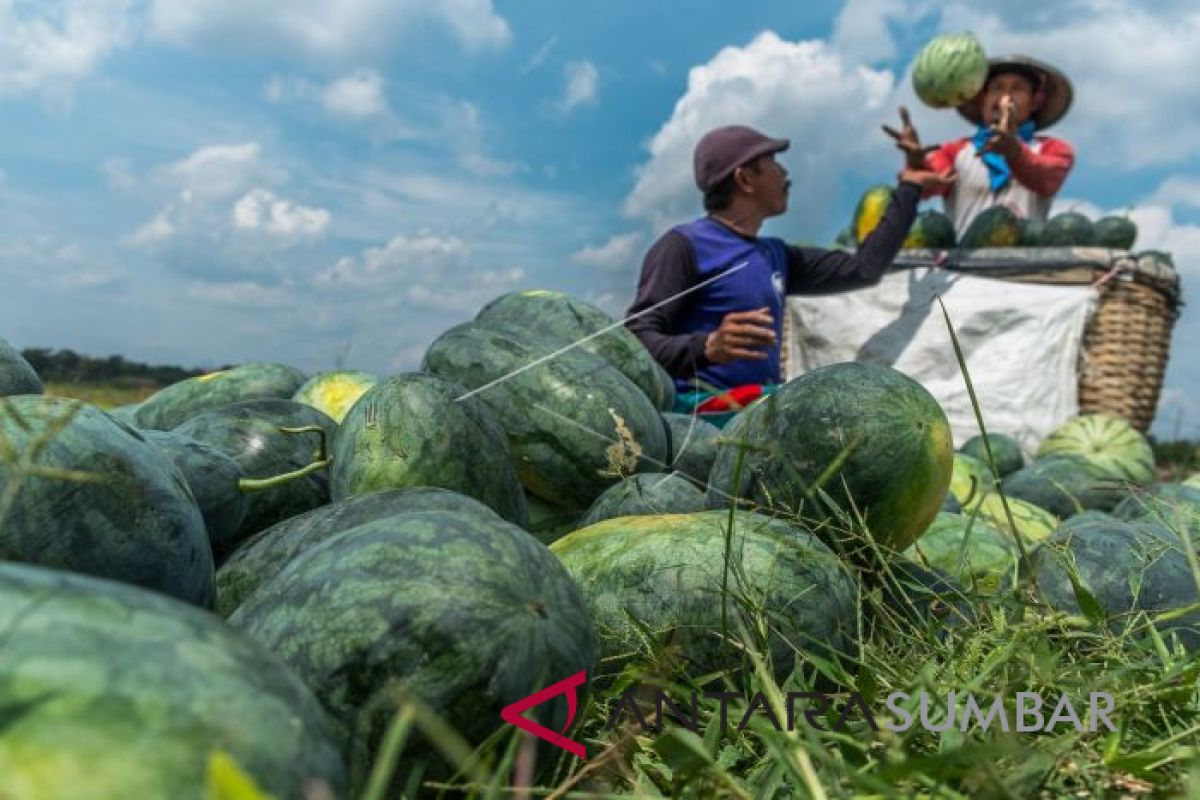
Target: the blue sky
(217, 181)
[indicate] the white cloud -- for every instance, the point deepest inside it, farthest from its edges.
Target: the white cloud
(49, 46)
(240, 293)
(403, 256)
(119, 176)
(216, 171)
(619, 253)
(829, 106)
(260, 209)
(539, 57)
(861, 30)
(358, 95)
(158, 229)
(310, 28)
(581, 86)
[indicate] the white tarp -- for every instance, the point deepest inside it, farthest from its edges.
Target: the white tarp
(1021, 342)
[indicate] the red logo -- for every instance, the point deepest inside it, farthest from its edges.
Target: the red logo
(512, 714)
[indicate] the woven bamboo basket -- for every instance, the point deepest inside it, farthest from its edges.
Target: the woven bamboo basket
(1128, 340)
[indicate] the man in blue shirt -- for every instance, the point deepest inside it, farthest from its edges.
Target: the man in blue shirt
(710, 299)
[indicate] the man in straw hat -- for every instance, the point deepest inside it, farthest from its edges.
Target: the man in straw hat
(1007, 162)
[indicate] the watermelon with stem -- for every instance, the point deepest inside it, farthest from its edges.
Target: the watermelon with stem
(82, 492)
(467, 614)
(113, 691)
(16, 374)
(413, 430)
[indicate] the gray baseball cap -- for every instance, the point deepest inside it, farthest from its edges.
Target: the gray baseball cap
(722, 150)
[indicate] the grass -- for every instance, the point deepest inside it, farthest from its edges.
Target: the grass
(106, 395)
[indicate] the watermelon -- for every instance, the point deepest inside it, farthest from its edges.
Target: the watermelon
(974, 552)
(113, 691)
(1118, 233)
(1033, 523)
(213, 479)
(869, 211)
(925, 596)
(16, 375)
(1124, 568)
(90, 495)
(970, 480)
(997, 226)
(1031, 232)
(267, 552)
(647, 494)
(468, 614)
(411, 430)
(693, 446)
(1069, 229)
(1065, 486)
(949, 70)
(1174, 506)
(1005, 449)
(251, 434)
(575, 423)
(1108, 441)
(664, 574)
(548, 522)
(931, 230)
(333, 393)
(889, 435)
(951, 504)
(559, 320)
(172, 405)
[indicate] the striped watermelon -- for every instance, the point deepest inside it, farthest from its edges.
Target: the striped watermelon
(1033, 524)
(333, 393)
(950, 70)
(1108, 441)
(646, 494)
(970, 480)
(1005, 449)
(869, 211)
(16, 375)
(974, 552)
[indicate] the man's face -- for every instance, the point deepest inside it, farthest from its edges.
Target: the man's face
(1016, 86)
(768, 183)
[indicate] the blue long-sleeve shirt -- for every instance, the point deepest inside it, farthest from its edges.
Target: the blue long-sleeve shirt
(746, 272)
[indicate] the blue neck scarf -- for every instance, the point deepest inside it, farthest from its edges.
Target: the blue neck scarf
(998, 170)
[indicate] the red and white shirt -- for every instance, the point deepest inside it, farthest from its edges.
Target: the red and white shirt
(1037, 175)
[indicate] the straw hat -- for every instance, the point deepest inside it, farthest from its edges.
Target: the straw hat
(1055, 85)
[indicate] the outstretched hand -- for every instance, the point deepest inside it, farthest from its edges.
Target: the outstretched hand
(908, 142)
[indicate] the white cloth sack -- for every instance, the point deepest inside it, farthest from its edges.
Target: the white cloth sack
(1021, 343)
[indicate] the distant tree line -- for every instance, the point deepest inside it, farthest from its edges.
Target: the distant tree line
(67, 366)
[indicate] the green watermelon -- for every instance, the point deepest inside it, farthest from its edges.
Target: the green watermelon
(468, 614)
(949, 70)
(559, 320)
(16, 375)
(970, 480)
(869, 211)
(693, 446)
(647, 494)
(997, 226)
(111, 691)
(664, 574)
(262, 556)
(1033, 523)
(575, 423)
(1069, 229)
(411, 430)
(1118, 233)
(213, 479)
(126, 413)
(1005, 449)
(1108, 441)
(333, 393)
(923, 595)
(251, 433)
(1031, 232)
(888, 434)
(88, 494)
(172, 405)
(932, 230)
(1065, 486)
(973, 551)
(1124, 568)
(1175, 505)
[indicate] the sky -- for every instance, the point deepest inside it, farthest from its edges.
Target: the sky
(202, 182)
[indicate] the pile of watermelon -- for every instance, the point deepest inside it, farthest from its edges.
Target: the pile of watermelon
(998, 226)
(243, 579)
